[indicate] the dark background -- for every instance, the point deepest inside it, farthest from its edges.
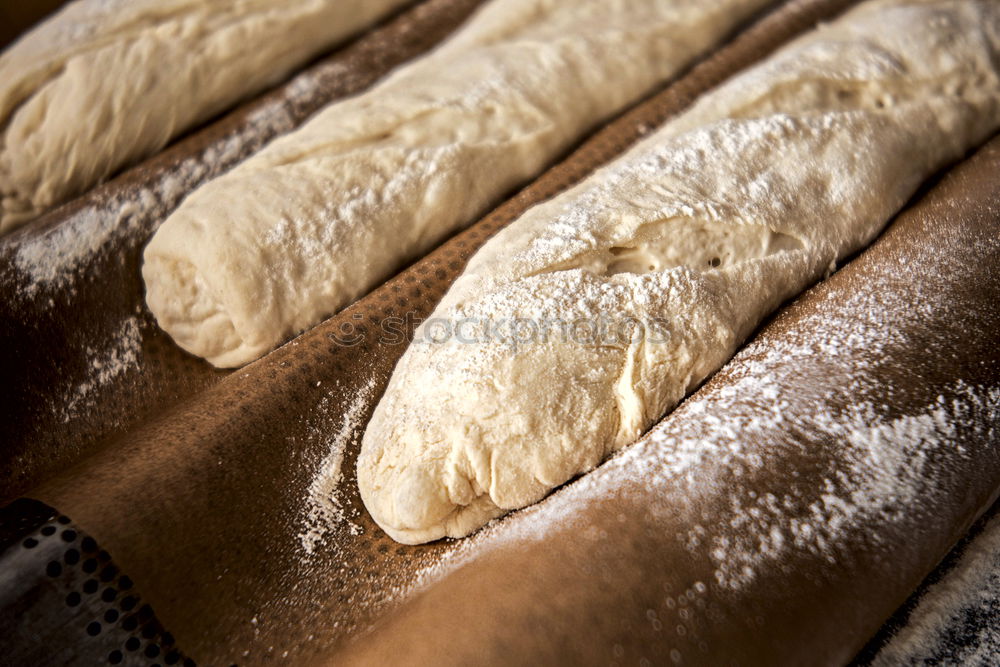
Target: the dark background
(16, 16)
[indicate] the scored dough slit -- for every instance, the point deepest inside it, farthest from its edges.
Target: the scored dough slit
(696, 243)
(699, 245)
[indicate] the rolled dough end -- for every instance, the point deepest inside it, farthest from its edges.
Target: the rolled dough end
(418, 504)
(461, 522)
(186, 308)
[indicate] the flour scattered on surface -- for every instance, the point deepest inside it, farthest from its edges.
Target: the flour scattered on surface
(324, 510)
(52, 257)
(957, 620)
(105, 366)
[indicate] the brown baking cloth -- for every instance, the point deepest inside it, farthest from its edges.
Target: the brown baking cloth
(83, 360)
(224, 509)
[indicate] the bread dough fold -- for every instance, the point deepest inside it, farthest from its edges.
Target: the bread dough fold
(323, 214)
(102, 84)
(681, 247)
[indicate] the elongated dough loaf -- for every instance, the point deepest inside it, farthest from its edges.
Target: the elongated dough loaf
(102, 84)
(320, 216)
(785, 509)
(683, 245)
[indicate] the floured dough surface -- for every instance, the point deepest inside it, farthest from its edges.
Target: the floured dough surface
(680, 247)
(104, 83)
(323, 214)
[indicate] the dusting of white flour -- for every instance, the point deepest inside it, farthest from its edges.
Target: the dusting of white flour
(324, 510)
(104, 367)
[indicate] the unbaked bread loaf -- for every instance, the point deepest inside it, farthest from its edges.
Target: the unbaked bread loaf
(102, 84)
(580, 324)
(323, 214)
(784, 510)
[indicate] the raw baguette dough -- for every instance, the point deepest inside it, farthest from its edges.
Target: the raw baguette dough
(698, 232)
(104, 83)
(323, 214)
